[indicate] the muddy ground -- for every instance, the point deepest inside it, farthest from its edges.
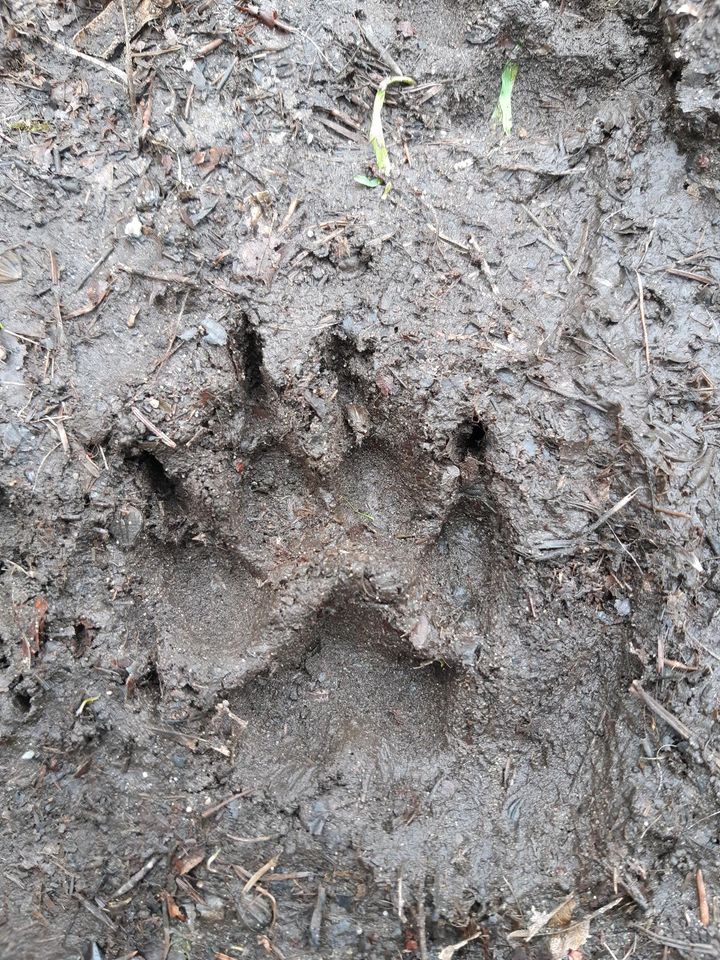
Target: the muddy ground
(337, 529)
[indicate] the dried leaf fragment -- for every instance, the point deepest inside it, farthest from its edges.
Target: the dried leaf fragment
(32, 642)
(175, 912)
(10, 267)
(193, 858)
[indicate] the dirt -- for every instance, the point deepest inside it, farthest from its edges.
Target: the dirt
(339, 530)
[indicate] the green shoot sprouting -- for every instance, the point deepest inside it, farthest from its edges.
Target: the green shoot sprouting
(377, 137)
(503, 110)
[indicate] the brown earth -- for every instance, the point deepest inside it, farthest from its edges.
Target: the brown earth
(337, 529)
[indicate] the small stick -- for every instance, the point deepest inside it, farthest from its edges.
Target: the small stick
(700, 949)
(643, 321)
(85, 56)
(129, 63)
(317, 917)
(160, 277)
(665, 510)
(703, 909)
(447, 953)
(422, 936)
(267, 19)
(687, 275)
(95, 911)
(96, 266)
(226, 75)
(209, 47)
(380, 50)
(259, 874)
(211, 811)
(700, 644)
(163, 437)
(449, 240)
(677, 665)
(551, 239)
(674, 723)
(135, 878)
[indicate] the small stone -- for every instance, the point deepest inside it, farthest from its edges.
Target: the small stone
(127, 525)
(28, 755)
(215, 333)
(623, 607)
(134, 227)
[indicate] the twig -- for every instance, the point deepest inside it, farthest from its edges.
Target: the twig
(128, 62)
(664, 510)
(11, 563)
(340, 130)
(449, 240)
(211, 811)
(707, 649)
(96, 266)
(135, 878)
(163, 437)
(702, 949)
(550, 238)
(160, 277)
(703, 909)
(557, 547)
(676, 724)
(95, 911)
(267, 19)
(259, 874)
(537, 929)
(317, 917)
(380, 50)
(687, 275)
(225, 76)
(447, 953)
(86, 56)
(167, 940)
(643, 321)
(422, 935)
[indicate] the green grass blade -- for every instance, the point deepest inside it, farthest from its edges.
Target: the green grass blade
(503, 111)
(366, 181)
(376, 135)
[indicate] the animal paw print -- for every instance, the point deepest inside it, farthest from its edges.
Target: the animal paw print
(357, 600)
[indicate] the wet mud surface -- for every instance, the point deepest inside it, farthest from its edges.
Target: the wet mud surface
(352, 548)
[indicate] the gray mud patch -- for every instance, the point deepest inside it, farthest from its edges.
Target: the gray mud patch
(338, 532)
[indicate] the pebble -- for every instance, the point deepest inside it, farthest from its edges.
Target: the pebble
(133, 228)
(215, 333)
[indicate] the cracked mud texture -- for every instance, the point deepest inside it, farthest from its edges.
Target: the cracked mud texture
(426, 489)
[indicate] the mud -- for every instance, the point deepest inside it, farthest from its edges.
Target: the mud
(429, 482)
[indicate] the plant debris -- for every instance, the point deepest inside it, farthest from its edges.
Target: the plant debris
(502, 113)
(377, 136)
(10, 267)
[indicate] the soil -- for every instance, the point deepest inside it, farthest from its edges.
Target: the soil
(353, 546)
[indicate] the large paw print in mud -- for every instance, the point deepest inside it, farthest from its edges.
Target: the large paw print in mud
(364, 610)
